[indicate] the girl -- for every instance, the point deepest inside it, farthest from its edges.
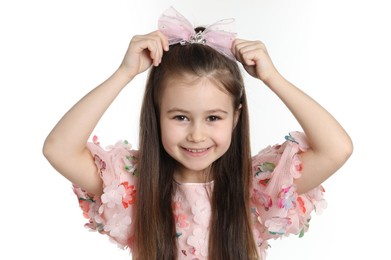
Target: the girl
(192, 191)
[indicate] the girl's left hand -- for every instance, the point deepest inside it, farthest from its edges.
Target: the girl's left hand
(255, 58)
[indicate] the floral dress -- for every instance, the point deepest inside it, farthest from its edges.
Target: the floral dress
(276, 209)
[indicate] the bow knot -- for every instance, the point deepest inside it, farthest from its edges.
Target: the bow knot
(196, 38)
(178, 29)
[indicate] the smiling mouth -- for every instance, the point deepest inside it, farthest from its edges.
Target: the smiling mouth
(196, 150)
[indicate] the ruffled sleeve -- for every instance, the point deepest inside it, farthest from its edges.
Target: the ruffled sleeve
(112, 212)
(277, 208)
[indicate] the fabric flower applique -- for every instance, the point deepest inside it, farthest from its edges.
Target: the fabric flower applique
(131, 161)
(95, 140)
(113, 194)
(199, 242)
(301, 205)
(265, 167)
(262, 244)
(130, 194)
(287, 197)
(124, 144)
(118, 225)
(298, 139)
(264, 172)
(315, 196)
(201, 211)
(257, 218)
(179, 216)
(130, 158)
(131, 164)
(261, 198)
(85, 203)
(289, 137)
(277, 225)
(90, 207)
(96, 221)
(181, 220)
(296, 167)
(100, 164)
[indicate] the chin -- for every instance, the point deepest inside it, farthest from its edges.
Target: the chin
(194, 168)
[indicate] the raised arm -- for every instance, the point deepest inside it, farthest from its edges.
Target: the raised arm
(65, 146)
(330, 145)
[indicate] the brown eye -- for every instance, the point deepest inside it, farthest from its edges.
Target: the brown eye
(213, 118)
(181, 118)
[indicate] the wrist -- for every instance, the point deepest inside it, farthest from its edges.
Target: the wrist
(271, 77)
(125, 74)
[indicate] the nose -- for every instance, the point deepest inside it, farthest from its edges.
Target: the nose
(196, 133)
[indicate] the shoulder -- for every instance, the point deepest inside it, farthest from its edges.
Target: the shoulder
(280, 209)
(111, 212)
(266, 159)
(115, 162)
(120, 155)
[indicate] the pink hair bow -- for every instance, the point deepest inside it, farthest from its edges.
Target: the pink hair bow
(178, 29)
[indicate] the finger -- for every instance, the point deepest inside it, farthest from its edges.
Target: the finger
(156, 36)
(249, 58)
(155, 48)
(235, 49)
(164, 41)
(241, 47)
(149, 44)
(156, 52)
(250, 52)
(153, 52)
(163, 44)
(250, 46)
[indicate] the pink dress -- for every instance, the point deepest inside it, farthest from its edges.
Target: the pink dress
(277, 210)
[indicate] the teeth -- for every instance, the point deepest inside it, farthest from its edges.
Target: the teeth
(196, 150)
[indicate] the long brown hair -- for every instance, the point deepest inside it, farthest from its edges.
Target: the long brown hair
(230, 228)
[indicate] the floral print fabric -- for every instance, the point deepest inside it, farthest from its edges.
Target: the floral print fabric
(276, 209)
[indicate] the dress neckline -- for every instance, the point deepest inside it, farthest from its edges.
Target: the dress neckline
(193, 183)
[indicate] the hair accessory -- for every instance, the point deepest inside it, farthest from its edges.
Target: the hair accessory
(178, 29)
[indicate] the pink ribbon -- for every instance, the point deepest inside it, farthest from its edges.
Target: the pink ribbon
(178, 29)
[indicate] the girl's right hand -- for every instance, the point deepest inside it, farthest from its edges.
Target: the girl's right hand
(144, 51)
(69, 137)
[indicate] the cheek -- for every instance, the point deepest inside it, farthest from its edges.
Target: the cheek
(170, 135)
(223, 136)
(164, 135)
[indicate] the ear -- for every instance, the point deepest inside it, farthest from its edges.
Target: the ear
(237, 115)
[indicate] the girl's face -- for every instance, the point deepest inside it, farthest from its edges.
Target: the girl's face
(197, 119)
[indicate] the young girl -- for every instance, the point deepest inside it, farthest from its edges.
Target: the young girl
(193, 191)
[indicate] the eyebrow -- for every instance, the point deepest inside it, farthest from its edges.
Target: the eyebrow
(211, 111)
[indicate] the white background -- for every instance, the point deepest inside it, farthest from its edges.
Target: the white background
(53, 52)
